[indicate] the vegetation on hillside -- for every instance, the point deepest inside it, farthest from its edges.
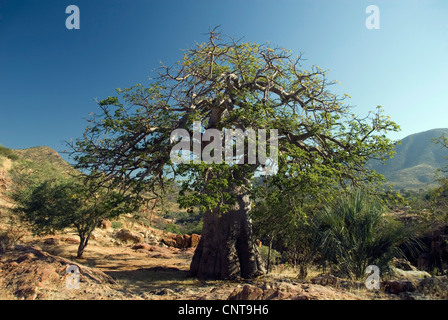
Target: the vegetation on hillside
(8, 153)
(415, 162)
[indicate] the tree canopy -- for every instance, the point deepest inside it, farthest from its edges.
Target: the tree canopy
(224, 83)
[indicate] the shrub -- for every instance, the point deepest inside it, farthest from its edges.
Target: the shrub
(173, 228)
(116, 224)
(354, 233)
(273, 256)
(12, 235)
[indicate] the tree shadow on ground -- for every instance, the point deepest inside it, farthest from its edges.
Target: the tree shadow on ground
(147, 279)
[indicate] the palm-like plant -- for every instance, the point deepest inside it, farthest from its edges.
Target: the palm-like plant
(354, 232)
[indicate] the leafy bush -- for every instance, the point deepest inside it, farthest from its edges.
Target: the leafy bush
(116, 224)
(187, 222)
(15, 231)
(273, 256)
(354, 233)
(173, 228)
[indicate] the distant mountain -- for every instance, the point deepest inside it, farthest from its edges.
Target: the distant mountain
(415, 162)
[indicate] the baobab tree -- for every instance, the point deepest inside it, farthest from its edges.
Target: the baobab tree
(227, 84)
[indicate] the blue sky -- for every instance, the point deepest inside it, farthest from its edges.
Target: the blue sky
(50, 76)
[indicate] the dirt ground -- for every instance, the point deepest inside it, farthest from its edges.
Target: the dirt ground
(112, 270)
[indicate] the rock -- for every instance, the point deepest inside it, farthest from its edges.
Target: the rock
(325, 279)
(169, 241)
(435, 287)
(93, 235)
(398, 286)
(248, 292)
(160, 249)
(105, 224)
(410, 275)
(181, 241)
(126, 235)
(195, 240)
(143, 246)
(403, 265)
(286, 291)
(51, 241)
(165, 291)
(187, 241)
(152, 239)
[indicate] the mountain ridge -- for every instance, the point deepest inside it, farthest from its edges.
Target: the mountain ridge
(416, 161)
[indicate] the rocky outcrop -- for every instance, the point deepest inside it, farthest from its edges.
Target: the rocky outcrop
(105, 224)
(129, 236)
(181, 241)
(411, 275)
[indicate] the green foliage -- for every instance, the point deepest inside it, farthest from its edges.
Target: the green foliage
(188, 222)
(173, 228)
(8, 153)
(273, 255)
(56, 205)
(353, 233)
(116, 224)
(285, 213)
(438, 200)
(52, 201)
(415, 161)
(227, 84)
(26, 174)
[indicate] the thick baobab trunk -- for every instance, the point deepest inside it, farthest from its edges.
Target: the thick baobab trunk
(227, 249)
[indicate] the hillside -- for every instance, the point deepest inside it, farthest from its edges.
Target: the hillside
(416, 161)
(45, 154)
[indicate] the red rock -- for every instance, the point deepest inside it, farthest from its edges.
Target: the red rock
(144, 246)
(195, 240)
(105, 224)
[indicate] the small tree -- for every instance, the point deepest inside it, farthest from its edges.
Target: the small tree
(284, 213)
(55, 205)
